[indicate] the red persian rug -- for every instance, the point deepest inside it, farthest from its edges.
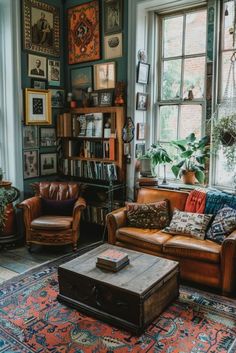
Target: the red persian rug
(32, 320)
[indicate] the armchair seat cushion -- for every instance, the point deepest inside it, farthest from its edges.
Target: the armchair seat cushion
(152, 239)
(52, 222)
(203, 250)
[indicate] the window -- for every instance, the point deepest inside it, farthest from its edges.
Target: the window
(182, 68)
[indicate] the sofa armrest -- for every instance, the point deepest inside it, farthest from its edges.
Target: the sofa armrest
(79, 206)
(228, 264)
(115, 220)
(31, 210)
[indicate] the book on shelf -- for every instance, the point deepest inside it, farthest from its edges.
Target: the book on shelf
(144, 181)
(64, 125)
(92, 170)
(87, 125)
(113, 269)
(112, 258)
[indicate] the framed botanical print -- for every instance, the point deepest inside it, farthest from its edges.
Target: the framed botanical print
(41, 27)
(30, 136)
(54, 73)
(31, 164)
(104, 75)
(48, 163)
(113, 16)
(38, 109)
(83, 32)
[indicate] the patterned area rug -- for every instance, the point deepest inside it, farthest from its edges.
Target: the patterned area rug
(32, 320)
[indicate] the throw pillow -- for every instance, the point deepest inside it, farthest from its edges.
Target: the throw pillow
(188, 223)
(148, 215)
(58, 207)
(223, 224)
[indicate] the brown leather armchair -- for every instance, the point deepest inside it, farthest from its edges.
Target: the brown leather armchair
(52, 229)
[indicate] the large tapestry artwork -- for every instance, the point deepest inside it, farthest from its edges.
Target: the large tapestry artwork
(83, 32)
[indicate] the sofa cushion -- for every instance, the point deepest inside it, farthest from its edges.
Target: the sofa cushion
(188, 223)
(223, 224)
(52, 222)
(203, 250)
(148, 215)
(58, 207)
(152, 239)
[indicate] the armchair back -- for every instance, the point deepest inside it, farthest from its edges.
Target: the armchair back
(57, 190)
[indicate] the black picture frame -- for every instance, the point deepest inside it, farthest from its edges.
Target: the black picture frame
(105, 98)
(142, 101)
(48, 164)
(143, 71)
(48, 137)
(94, 99)
(38, 84)
(113, 16)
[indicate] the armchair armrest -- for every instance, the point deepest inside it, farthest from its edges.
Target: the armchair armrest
(31, 210)
(79, 206)
(115, 220)
(228, 264)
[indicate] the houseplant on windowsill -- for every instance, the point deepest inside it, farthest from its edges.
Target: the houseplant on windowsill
(191, 160)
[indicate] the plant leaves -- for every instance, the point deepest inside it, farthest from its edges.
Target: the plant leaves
(200, 176)
(175, 170)
(191, 137)
(186, 154)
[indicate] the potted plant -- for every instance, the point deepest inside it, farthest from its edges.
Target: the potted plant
(4, 200)
(224, 135)
(191, 160)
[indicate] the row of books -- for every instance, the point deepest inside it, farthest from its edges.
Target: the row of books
(112, 260)
(92, 149)
(95, 214)
(89, 169)
(87, 125)
(64, 125)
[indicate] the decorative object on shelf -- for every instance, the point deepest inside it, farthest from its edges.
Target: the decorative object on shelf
(30, 137)
(192, 158)
(57, 98)
(142, 56)
(54, 73)
(37, 66)
(83, 32)
(31, 164)
(113, 46)
(104, 75)
(48, 163)
(48, 137)
(41, 27)
(141, 131)
(93, 98)
(113, 16)
(142, 101)
(38, 107)
(128, 130)
(120, 93)
(105, 98)
(38, 84)
(143, 73)
(81, 79)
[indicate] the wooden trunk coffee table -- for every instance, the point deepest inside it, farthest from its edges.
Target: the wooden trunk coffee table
(131, 298)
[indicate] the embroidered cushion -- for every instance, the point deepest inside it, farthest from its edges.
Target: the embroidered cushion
(223, 224)
(148, 215)
(188, 223)
(58, 207)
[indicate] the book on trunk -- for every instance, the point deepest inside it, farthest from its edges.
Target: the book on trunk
(113, 269)
(112, 258)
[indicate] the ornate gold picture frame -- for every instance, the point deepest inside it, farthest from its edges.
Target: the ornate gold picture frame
(38, 110)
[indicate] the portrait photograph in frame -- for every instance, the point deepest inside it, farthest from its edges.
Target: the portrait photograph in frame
(30, 137)
(38, 109)
(41, 29)
(113, 46)
(54, 73)
(113, 16)
(143, 73)
(141, 127)
(105, 98)
(104, 76)
(58, 98)
(81, 79)
(37, 66)
(31, 164)
(84, 32)
(48, 163)
(142, 101)
(48, 137)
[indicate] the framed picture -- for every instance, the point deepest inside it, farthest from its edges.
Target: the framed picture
(113, 46)
(37, 66)
(140, 149)
(112, 16)
(54, 73)
(94, 99)
(30, 137)
(104, 76)
(38, 84)
(142, 100)
(48, 163)
(58, 98)
(31, 164)
(105, 98)
(141, 127)
(143, 73)
(84, 32)
(81, 79)
(41, 27)
(48, 137)
(38, 109)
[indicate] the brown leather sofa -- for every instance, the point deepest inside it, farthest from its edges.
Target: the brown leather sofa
(203, 262)
(52, 229)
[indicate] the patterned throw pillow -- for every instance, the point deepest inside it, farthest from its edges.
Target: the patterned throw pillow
(188, 223)
(223, 224)
(148, 215)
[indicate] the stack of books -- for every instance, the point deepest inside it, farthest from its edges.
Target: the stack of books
(144, 181)
(112, 260)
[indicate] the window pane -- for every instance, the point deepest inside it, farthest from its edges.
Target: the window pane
(173, 34)
(195, 33)
(194, 77)
(225, 66)
(190, 120)
(168, 123)
(228, 25)
(171, 79)
(223, 176)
